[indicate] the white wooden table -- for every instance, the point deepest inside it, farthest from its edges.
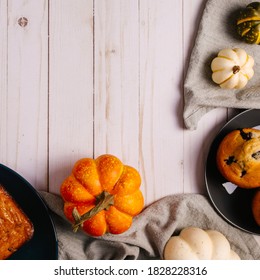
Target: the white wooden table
(80, 78)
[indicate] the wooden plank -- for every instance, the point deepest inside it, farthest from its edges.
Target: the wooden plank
(197, 143)
(26, 93)
(70, 87)
(3, 81)
(117, 79)
(161, 134)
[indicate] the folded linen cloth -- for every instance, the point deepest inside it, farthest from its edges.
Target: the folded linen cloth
(150, 231)
(217, 30)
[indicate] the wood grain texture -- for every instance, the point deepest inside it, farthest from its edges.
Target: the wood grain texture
(25, 95)
(102, 77)
(116, 87)
(3, 81)
(87, 77)
(70, 87)
(161, 134)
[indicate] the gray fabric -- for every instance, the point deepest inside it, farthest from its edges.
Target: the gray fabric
(149, 232)
(217, 31)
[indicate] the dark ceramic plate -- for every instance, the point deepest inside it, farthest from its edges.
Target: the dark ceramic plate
(234, 207)
(43, 245)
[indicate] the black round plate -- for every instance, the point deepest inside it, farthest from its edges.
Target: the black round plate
(234, 207)
(43, 245)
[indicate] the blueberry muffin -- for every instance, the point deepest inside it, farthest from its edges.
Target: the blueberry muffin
(238, 157)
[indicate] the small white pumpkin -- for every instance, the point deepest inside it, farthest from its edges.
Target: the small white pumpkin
(232, 68)
(197, 244)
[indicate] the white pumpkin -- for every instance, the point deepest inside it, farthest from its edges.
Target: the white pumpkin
(232, 68)
(197, 244)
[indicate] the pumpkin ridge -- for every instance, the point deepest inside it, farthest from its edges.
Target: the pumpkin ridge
(247, 58)
(99, 172)
(219, 70)
(130, 204)
(227, 79)
(258, 39)
(245, 32)
(244, 74)
(98, 175)
(124, 212)
(116, 224)
(123, 169)
(225, 57)
(73, 191)
(183, 239)
(247, 19)
(83, 171)
(90, 191)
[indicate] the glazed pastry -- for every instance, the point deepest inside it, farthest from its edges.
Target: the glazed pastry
(15, 227)
(238, 157)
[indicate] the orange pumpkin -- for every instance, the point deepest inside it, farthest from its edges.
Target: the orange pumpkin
(102, 195)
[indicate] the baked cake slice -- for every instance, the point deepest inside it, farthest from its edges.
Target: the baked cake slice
(15, 227)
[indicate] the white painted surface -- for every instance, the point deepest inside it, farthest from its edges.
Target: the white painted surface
(88, 77)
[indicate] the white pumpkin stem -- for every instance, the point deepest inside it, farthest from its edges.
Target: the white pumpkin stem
(236, 69)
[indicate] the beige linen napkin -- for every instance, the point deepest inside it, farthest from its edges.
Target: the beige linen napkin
(149, 232)
(217, 31)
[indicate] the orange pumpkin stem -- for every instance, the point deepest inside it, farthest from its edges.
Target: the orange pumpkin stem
(103, 202)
